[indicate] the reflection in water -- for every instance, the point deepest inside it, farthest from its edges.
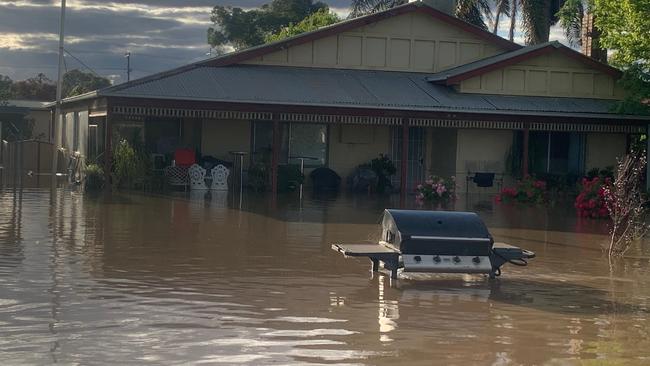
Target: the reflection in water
(129, 279)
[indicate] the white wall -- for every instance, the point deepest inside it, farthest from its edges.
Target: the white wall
(483, 150)
(603, 149)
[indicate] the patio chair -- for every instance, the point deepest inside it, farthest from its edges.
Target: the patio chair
(176, 176)
(219, 178)
(197, 178)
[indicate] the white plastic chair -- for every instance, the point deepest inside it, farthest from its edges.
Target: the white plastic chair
(220, 178)
(197, 178)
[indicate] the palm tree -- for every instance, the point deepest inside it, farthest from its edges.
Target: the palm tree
(474, 11)
(502, 7)
(363, 7)
(571, 16)
(513, 20)
(577, 19)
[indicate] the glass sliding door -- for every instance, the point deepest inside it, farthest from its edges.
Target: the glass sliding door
(298, 140)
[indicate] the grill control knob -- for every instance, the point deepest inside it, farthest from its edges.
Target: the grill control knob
(437, 259)
(417, 258)
(456, 259)
(476, 260)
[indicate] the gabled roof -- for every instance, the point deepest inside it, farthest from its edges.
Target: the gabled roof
(344, 88)
(457, 74)
(347, 25)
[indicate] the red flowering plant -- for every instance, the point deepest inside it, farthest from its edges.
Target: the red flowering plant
(591, 201)
(528, 190)
(436, 190)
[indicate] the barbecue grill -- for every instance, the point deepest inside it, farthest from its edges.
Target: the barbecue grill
(436, 242)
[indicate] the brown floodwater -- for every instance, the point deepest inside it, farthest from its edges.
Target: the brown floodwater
(142, 279)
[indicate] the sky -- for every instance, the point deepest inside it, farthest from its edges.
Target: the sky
(159, 34)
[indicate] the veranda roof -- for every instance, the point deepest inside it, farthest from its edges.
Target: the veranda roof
(365, 89)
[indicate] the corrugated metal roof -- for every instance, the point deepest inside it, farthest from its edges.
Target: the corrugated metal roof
(456, 74)
(342, 88)
(459, 70)
(26, 104)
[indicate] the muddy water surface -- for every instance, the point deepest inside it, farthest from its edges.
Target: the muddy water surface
(134, 279)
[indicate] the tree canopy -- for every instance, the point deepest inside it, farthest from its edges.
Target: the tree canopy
(241, 28)
(319, 19)
(35, 88)
(41, 88)
(76, 82)
(624, 27)
(5, 88)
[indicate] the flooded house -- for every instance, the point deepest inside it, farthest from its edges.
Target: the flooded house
(437, 95)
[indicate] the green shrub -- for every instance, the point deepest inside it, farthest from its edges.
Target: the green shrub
(94, 178)
(384, 168)
(124, 164)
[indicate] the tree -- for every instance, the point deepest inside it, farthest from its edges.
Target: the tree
(76, 82)
(537, 17)
(5, 88)
(474, 11)
(316, 20)
(241, 28)
(36, 88)
(627, 204)
(502, 7)
(513, 20)
(364, 7)
(625, 29)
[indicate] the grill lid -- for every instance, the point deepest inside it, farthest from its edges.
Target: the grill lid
(435, 223)
(436, 232)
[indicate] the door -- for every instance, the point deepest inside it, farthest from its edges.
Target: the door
(416, 153)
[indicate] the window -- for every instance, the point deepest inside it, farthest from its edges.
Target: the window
(298, 140)
(556, 152)
(308, 141)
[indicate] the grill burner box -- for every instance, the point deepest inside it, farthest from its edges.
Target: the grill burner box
(437, 242)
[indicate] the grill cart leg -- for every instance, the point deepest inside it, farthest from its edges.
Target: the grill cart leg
(392, 263)
(375, 264)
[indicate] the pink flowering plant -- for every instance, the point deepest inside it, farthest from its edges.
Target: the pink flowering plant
(528, 190)
(437, 190)
(592, 199)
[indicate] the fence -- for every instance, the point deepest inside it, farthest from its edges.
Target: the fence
(27, 163)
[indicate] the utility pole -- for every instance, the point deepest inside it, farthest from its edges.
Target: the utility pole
(128, 66)
(59, 91)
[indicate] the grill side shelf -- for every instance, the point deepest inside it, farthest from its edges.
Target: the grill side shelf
(375, 252)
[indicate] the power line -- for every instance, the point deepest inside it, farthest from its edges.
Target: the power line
(81, 62)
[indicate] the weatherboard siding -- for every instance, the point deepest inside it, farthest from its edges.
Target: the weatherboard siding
(408, 42)
(553, 74)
